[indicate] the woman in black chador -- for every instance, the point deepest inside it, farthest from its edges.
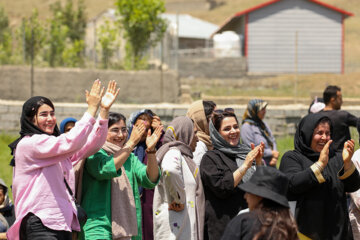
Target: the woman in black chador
(319, 179)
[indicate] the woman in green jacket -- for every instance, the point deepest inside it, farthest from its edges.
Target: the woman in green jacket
(110, 197)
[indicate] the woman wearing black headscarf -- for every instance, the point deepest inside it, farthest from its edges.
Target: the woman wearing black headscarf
(222, 170)
(43, 165)
(319, 179)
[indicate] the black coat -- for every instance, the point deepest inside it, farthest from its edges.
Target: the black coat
(321, 209)
(242, 227)
(222, 200)
(341, 122)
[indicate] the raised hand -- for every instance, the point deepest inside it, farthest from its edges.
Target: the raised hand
(348, 151)
(155, 122)
(93, 98)
(111, 93)
(324, 155)
(136, 134)
(152, 140)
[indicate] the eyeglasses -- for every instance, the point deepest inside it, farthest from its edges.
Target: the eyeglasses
(118, 130)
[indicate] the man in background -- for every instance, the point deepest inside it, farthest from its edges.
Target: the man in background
(341, 120)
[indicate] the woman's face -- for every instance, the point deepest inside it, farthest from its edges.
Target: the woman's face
(194, 140)
(261, 113)
(230, 131)
(252, 200)
(321, 136)
(45, 119)
(117, 133)
(68, 126)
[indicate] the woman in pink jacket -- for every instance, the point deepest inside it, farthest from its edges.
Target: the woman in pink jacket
(44, 159)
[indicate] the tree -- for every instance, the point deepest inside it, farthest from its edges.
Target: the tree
(142, 25)
(74, 20)
(5, 38)
(56, 41)
(108, 39)
(33, 36)
(67, 32)
(73, 54)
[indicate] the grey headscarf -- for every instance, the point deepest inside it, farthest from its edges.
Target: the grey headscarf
(238, 152)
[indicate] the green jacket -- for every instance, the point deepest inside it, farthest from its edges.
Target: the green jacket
(99, 169)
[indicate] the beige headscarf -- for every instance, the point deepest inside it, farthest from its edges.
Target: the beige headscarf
(197, 114)
(123, 209)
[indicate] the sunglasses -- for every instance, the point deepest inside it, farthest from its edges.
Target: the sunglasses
(221, 111)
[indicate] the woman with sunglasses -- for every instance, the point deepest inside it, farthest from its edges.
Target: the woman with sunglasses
(223, 169)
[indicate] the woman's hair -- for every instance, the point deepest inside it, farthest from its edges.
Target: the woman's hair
(209, 107)
(219, 115)
(30, 113)
(145, 117)
(4, 189)
(115, 117)
(276, 222)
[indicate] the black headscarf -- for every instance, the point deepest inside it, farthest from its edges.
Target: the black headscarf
(304, 133)
(30, 109)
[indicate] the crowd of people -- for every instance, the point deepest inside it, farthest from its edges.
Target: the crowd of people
(205, 175)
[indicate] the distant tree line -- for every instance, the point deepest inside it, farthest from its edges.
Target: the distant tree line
(60, 41)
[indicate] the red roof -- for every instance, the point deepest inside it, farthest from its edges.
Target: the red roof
(274, 1)
(241, 13)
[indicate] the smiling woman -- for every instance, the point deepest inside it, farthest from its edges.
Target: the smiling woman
(43, 165)
(319, 178)
(111, 180)
(45, 118)
(222, 169)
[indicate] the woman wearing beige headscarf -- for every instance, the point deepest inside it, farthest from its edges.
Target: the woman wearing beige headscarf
(200, 112)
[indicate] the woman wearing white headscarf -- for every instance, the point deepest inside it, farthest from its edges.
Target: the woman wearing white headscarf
(179, 198)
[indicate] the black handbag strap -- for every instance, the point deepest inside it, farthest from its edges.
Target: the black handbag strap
(69, 189)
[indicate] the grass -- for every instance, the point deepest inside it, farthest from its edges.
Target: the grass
(5, 157)
(280, 85)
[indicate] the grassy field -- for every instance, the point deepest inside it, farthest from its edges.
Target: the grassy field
(5, 157)
(281, 85)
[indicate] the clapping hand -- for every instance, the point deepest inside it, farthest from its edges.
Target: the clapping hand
(324, 155)
(152, 139)
(93, 98)
(251, 156)
(111, 93)
(260, 153)
(348, 151)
